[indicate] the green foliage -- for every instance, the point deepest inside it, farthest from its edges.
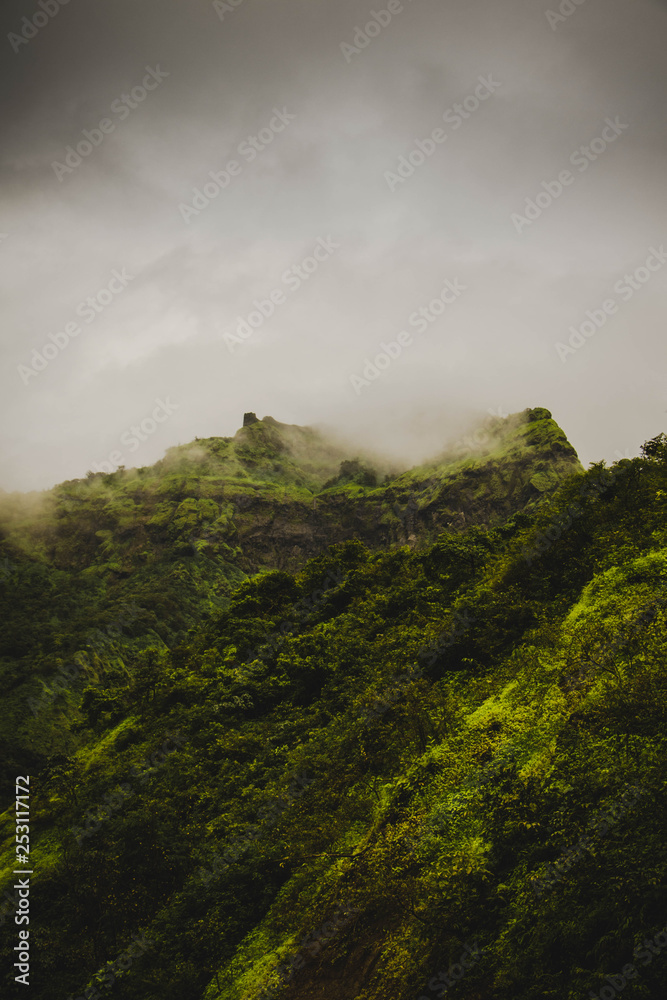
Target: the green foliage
(422, 733)
(354, 472)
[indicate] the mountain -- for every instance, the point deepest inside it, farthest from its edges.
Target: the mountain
(172, 541)
(293, 731)
(275, 494)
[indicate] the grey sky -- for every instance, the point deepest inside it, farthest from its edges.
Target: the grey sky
(323, 177)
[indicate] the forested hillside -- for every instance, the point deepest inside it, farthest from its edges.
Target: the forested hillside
(296, 729)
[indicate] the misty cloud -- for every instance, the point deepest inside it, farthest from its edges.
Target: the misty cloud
(323, 177)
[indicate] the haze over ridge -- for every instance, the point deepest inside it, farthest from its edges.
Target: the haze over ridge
(323, 177)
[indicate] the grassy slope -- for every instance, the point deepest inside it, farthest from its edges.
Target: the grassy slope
(206, 495)
(468, 789)
(435, 818)
(162, 547)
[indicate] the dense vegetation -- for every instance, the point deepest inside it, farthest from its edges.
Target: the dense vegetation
(341, 781)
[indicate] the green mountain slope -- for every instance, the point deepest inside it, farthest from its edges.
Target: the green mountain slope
(272, 496)
(113, 564)
(339, 782)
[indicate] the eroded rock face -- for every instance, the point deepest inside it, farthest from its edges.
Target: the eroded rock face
(275, 495)
(285, 535)
(525, 456)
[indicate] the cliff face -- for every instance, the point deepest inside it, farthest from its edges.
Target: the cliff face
(276, 495)
(518, 460)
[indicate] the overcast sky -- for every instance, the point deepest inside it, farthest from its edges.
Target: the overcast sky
(331, 123)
